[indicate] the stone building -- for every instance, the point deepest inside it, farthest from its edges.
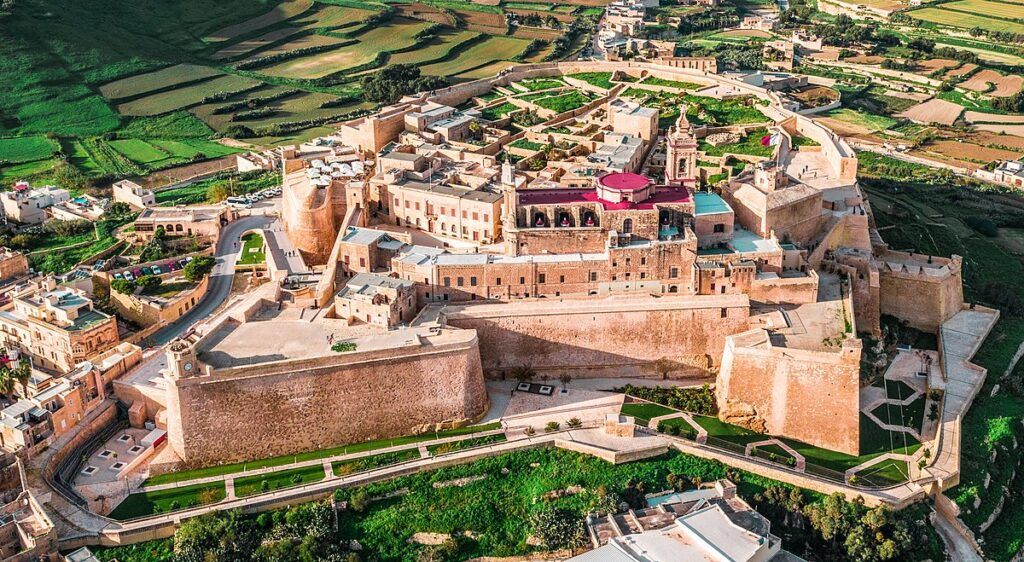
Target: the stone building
(133, 194)
(376, 299)
(202, 221)
(57, 327)
(13, 264)
(25, 205)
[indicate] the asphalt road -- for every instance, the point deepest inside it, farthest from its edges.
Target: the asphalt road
(220, 279)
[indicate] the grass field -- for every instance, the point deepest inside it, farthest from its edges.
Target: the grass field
(599, 79)
(143, 83)
(645, 411)
(252, 250)
(318, 454)
(362, 464)
(326, 17)
(488, 51)
(147, 503)
(167, 102)
(987, 8)
(249, 485)
(963, 20)
(873, 123)
(398, 33)
(564, 102)
(439, 47)
(26, 149)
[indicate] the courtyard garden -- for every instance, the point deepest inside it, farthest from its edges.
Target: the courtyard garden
(253, 250)
(143, 504)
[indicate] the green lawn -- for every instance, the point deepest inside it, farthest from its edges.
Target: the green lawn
(655, 81)
(886, 471)
(498, 111)
(750, 144)
(182, 476)
(645, 411)
(148, 503)
(252, 250)
(452, 446)
(897, 390)
(250, 485)
(527, 144)
(541, 84)
(564, 102)
(362, 464)
(911, 415)
(774, 453)
(599, 79)
(873, 123)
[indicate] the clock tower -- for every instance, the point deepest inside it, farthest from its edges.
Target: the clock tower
(181, 360)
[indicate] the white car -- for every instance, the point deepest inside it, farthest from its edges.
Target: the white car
(128, 276)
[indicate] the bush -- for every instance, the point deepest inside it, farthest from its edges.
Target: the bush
(149, 283)
(552, 426)
(199, 268)
(123, 286)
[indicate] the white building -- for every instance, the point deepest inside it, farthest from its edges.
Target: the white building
(28, 206)
(1011, 173)
(136, 196)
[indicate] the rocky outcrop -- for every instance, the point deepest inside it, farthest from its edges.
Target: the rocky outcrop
(742, 414)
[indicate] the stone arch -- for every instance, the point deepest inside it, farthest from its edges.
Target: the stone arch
(673, 289)
(564, 219)
(540, 220)
(589, 218)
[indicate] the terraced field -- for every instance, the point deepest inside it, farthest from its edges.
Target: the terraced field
(151, 81)
(492, 50)
(397, 34)
(26, 149)
(329, 17)
(965, 20)
(184, 97)
(438, 48)
(286, 10)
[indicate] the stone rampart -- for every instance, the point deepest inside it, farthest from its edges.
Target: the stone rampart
(811, 396)
(234, 414)
(923, 290)
(615, 336)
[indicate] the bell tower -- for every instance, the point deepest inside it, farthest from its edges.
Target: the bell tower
(681, 152)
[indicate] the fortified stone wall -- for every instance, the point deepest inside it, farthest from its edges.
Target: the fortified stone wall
(309, 215)
(923, 290)
(241, 413)
(811, 396)
(618, 336)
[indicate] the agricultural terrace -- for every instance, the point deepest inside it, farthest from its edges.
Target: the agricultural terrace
(280, 13)
(968, 14)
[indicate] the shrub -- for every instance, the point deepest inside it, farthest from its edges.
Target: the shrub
(123, 286)
(552, 426)
(574, 423)
(343, 347)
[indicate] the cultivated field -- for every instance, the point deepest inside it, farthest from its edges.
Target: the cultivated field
(479, 55)
(932, 65)
(980, 117)
(184, 97)
(969, 153)
(986, 7)
(441, 46)
(397, 34)
(287, 9)
(26, 149)
(303, 42)
(143, 83)
(1001, 86)
(934, 111)
(965, 69)
(965, 20)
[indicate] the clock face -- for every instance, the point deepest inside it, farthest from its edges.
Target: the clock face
(188, 366)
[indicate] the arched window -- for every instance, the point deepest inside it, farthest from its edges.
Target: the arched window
(627, 226)
(540, 220)
(178, 227)
(673, 289)
(589, 219)
(564, 219)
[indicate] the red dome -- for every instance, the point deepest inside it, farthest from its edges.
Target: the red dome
(622, 181)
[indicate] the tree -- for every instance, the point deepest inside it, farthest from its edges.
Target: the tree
(149, 283)
(552, 426)
(218, 192)
(389, 84)
(123, 286)
(565, 379)
(523, 373)
(198, 268)
(559, 528)
(359, 500)
(118, 209)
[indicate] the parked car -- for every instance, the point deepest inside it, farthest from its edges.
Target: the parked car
(118, 276)
(146, 270)
(156, 270)
(128, 276)
(173, 266)
(137, 273)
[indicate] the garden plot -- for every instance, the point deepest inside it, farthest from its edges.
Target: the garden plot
(143, 83)
(399, 33)
(184, 97)
(286, 10)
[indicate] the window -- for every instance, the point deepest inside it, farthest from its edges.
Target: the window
(541, 278)
(719, 227)
(593, 276)
(464, 214)
(487, 217)
(417, 205)
(643, 261)
(627, 262)
(643, 275)
(447, 281)
(362, 262)
(522, 280)
(472, 281)
(725, 313)
(561, 278)
(476, 216)
(497, 281)
(627, 226)
(673, 272)
(459, 281)
(406, 204)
